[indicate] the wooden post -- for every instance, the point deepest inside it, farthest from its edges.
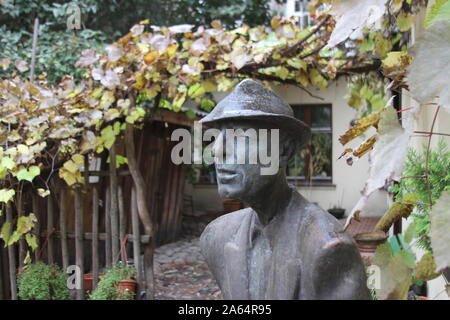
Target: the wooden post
(63, 228)
(37, 226)
(12, 258)
(79, 254)
(34, 48)
(115, 243)
(94, 237)
(2, 294)
(136, 238)
(22, 244)
(108, 258)
(50, 227)
(144, 215)
(122, 224)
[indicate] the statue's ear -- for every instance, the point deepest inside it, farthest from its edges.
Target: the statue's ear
(287, 150)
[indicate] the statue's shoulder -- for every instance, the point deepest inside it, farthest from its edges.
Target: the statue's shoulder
(224, 227)
(323, 229)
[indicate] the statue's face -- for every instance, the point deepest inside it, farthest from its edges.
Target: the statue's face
(245, 180)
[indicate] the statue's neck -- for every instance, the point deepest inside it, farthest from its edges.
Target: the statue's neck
(273, 202)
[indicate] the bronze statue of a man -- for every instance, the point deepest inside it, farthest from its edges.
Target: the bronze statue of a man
(282, 246)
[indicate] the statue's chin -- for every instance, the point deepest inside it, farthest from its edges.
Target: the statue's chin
(227, 192)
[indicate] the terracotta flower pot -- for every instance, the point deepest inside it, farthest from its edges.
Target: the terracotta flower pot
(368, 243)
(232, 205)
(127, 286)
(88, 279)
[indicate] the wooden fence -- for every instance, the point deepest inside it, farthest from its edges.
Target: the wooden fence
(97, 224)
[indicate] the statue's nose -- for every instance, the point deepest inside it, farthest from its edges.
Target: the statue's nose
(218, 149)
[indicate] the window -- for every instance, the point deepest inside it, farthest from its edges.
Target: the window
(313, 164)
(302, 14)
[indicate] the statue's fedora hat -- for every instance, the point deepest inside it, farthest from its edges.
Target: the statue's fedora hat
(251, 100)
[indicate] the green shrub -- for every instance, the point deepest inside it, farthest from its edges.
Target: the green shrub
(40, 281)
(439, 177)
(107, 288)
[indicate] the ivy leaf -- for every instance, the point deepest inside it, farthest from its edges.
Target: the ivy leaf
(425, 268)
(428, 73)
(5, 232)
(26, 223)
(396, 277)
(439, 230)
(31, 240)
(114, 52)
(28, 174)
(354, 15)
(196, 90)
(42, 192)
(108, 136)
(21, 65)
(405, 21)
(8, 163)
(6, 195)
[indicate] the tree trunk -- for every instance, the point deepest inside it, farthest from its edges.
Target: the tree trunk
(144, 214)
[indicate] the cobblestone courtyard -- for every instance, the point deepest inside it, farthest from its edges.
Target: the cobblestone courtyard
(181, 272)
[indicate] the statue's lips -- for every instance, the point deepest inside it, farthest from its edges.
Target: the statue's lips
(226, 175)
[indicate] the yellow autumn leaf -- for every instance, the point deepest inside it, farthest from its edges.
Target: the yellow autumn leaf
(365, 147)
(361, 126)
(151, 57)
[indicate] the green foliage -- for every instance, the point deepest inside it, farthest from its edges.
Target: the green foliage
(366, 94)
(108, 286)
(439, 177)
(40, 281)
(54, 42)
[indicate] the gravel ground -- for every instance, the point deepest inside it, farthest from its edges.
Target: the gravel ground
(181, 272)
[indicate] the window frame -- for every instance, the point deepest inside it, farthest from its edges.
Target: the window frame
(315, 180)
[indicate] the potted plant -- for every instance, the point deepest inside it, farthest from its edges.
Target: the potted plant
(232, 205)
(39, 281)
(117, 284)
(368, 242)
(337, 212)
(88, 279)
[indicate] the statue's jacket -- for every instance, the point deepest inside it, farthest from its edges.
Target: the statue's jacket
(307, 255)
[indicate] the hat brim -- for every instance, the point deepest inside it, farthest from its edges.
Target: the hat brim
(298, 128)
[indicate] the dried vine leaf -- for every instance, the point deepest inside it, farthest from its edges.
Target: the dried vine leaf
(365, 147)
(396, 211)
(425, 268)
(354, 15)
(388, 156)
(440, 230)
(360, 127)
(428, 74)
(389, 151)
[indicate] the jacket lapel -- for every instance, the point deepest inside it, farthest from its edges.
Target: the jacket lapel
(236, 263)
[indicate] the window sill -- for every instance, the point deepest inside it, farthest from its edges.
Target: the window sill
(298, 183)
